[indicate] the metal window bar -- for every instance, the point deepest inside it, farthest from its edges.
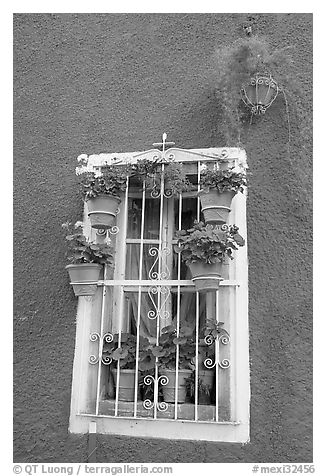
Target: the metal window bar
(121, 296)
(178, 315)
(141, 253)
(98, 389)
(197, 309)
(216, 359)
(156, 383)
(142, 284)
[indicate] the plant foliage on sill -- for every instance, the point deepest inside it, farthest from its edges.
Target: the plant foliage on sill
(123, 348)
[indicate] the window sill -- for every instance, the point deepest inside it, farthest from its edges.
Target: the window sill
(185, 411)
(227, 432)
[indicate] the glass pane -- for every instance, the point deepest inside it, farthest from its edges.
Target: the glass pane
(151, 222)
(149, 261)
(134, 217)
(152, 219)
(188, 213)
(148, 313)
(188, 216)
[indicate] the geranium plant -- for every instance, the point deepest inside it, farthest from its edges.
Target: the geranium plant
(207, 243)
(166, 351)
(143, 168)
(110, 181)
(223, 180)
(123, 348)
(81, 250)
(175, 179)
(173, 175)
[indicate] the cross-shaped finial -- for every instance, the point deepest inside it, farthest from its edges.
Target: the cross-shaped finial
(163, 144)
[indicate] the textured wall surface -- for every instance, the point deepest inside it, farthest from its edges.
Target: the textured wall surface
(90, 83)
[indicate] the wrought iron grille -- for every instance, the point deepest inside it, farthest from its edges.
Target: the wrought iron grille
(151, 291)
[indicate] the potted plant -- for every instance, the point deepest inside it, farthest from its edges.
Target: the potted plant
(173, 176)
(238, 69)
(144, 170)
(86, 259)
(123, 349)
(206, 363)
(175, 179)
(166, 351)
(204, 248)
(147, 364)
(101, 192)
(218, 189)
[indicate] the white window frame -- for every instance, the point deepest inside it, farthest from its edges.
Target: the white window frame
(83, 414)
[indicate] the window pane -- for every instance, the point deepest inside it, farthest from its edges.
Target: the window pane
(152, 218)
(149, 261)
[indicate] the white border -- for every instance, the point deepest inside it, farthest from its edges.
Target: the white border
(232, 432)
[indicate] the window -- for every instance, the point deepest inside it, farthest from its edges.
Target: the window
(149, 290)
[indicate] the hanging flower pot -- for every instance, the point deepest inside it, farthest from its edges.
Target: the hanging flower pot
(218, 189)
(84, 278)
(86, 259)
(102, 192)
(215, 205)
(204, 248)
(240, 70)
(206, 276)
(260, 93)
(102, 211)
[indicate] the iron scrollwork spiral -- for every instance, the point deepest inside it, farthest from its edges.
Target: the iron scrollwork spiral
(156, 192)
(168, 193)
(159, 312)
(149, 404)
(209, 362)
(114, 230)
(169, 156)
(225, 227)
(158, 254)
(95, 336)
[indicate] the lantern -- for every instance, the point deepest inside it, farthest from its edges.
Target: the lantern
(260, 93)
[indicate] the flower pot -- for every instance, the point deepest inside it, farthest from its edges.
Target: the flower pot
(216, 206)
(102, 211)
(126, 384)
(169, 389)
(82, 277)
(206, 277)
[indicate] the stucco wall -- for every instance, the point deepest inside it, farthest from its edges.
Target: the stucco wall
(90, 83)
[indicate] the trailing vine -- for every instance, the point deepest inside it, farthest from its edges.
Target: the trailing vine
(234, 65)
